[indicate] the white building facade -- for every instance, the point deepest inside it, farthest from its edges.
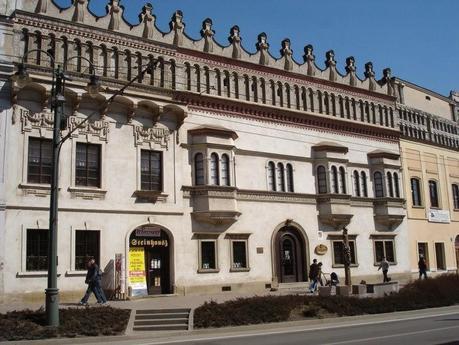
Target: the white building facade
(221, 170)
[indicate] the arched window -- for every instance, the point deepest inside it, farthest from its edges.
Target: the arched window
(271, 176)
(225, 177)
(335, 182)
(390, 186)
(379, 188)
(356, 183)
(433, 191)
(416, 191)
(199, 169)
(322, 179)
(289, 178)
(280, 178)
(456, 196)
(214, 169)
(396, 186)
(342, 180)
(363, 180)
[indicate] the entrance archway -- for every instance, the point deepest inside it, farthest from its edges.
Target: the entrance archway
(150, 260)
(290, 255)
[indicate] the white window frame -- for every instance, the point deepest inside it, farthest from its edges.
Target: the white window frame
(384, 240)
(213, 240)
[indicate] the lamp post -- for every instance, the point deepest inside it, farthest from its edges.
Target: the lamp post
(21, 77)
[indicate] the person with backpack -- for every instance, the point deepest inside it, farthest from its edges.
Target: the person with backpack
(93, 278)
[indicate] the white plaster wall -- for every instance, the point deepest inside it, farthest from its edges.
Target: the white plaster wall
(417, 99)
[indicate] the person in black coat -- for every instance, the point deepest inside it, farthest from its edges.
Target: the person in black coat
(422, 265)
(93, 278)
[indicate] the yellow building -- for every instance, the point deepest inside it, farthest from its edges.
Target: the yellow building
(430, 163)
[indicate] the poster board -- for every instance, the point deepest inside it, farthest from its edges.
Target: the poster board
(137, 276)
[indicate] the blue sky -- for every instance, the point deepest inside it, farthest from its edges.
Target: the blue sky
(418, 39)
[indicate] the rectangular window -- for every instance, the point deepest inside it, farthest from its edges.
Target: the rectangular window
(208, 255)
(338, 252)
(239, 254)
(39, 165)
(87, 165)
(423, 249)
(384, 248)
(37, 250)
(86, 246)
(151, 170)
(440, 255)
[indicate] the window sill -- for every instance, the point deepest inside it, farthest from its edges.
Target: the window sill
(418, 207)
(75, 273)
(40, 190)
(245, 269)
(33, 274)
(376, 264)
(342, 266)
(210, 270)
(88, 193)
(151, 195)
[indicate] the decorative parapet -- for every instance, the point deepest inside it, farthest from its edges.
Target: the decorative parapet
(113, 20)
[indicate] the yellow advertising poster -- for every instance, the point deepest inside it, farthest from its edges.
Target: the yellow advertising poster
(137, 278)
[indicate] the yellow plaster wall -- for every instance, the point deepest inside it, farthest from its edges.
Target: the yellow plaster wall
(429, 162)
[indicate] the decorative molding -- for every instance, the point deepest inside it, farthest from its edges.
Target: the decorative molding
(87, 193)
(150, 195)
(98, 129)
(154, 136)
(216, 217)
(36, 189)
(43, 121)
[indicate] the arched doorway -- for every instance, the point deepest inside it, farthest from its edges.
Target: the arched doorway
(150, 260)
(456, 244)
(290, 255)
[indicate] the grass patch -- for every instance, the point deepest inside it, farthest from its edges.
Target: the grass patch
(31, 325)
(433, 292)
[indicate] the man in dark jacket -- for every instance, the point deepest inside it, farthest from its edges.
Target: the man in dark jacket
(93, 280)
(422, 265)
(313, 272)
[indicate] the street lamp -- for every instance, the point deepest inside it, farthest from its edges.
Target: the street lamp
(21, 78)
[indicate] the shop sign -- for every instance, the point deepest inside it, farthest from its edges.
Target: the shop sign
(137, 277)
(321, 249)
(148, 231)
(136, 242)
(438, 216)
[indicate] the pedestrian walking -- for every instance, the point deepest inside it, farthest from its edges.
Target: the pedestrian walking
(422, 265)
(317, 278)
(313, 274)
(384, 265)
(93, 277)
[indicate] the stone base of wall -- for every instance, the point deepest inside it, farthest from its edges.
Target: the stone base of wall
(242, 288)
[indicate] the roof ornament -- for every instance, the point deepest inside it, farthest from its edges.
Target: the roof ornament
(310, 58)
(78, 15)
(114, 9)
(148, 20)
(331, 64)
(350, 69)
(235, 40)
(287, 53)
(42, 7)
(208, 34)
(387, 79)
(370, 74)
(177, 25)
(263, 46)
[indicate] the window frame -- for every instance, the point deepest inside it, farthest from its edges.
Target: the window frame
(342, 180)
(225, 175)
(455, 195)
(161, 169)
(197, 177)
(322, 177)
(246, 244)
(200, 263)
(381, 184)
(271, 176)
(357, 186)
(75, 246)
(364, 186)
(41, 141)
(99, 177)
(419, 192)
(384, 241)
(334, 180)
(445, 267)
(280, 177)
(28, 232)
(289, 178)
(340, 241)
(214, 169)
(432, 197)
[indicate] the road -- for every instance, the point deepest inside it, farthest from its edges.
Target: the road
(427, 330)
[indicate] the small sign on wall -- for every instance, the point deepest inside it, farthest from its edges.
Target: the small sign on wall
(321, 249)
(438, 216)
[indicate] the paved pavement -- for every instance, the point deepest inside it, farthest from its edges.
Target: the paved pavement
(429, 326)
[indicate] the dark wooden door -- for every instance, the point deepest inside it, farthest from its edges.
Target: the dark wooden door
(289, 259)
(158, 270)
